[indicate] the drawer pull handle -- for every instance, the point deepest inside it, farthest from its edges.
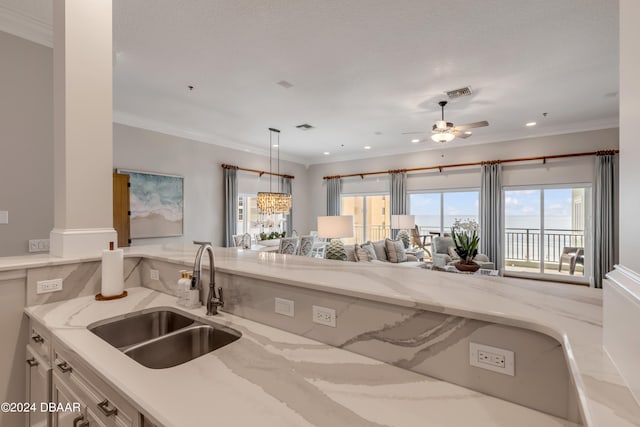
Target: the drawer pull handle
(64, 367)
(104, 407)
(38, 339)
(77, 421)
(32, 362)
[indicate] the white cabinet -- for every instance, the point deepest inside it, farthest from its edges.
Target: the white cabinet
(65, 397)
(38, 387)
(99, 404)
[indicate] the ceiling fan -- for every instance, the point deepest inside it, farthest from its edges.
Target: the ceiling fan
(444, 131)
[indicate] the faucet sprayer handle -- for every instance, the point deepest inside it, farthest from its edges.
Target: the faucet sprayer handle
(196, 242)
(220, 297)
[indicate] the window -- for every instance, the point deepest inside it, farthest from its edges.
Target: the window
(370, 216)
(436, 212)
(546, 231)
(250, 221)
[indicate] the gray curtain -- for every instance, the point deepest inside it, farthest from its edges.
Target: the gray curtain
(285, 187)
(398, 192)
(333, 196)
(491, 213)
(230, 204)
(605, 217)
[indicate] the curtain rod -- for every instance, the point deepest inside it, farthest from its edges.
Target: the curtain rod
(485, 162)
(259, 172)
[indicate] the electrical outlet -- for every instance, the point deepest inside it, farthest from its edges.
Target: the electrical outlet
(154, 274)
(46, 286)
(324, 316)
(39, 245)
(492, 358)
(284, 306)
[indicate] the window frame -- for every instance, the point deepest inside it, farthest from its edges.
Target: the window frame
(364, 209)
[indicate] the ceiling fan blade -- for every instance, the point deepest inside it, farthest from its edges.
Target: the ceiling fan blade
(413, 133)
(463, 135)
(472, 125)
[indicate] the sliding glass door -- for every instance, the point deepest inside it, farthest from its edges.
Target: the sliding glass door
(371, 216)
(547, 231)
(436, 212)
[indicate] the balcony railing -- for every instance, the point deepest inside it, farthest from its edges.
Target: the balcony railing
(524, 243)
(371, 232)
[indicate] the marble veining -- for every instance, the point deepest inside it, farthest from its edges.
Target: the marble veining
(272, 378)
(570, 314)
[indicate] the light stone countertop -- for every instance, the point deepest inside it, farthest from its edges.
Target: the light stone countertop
(272, 378)
(570, 314)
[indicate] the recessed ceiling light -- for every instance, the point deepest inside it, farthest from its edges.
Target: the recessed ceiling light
(326, 153)
(468, 132)
(531, 124)
(415, 140)
(367, 147)
(275, 145)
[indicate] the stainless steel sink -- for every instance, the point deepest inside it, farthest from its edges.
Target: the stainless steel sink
(164, 338)
(182, 346)
(141, 327)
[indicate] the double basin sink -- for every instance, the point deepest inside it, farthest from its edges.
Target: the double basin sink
(163, 338)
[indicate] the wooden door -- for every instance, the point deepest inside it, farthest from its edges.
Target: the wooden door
(121, 211)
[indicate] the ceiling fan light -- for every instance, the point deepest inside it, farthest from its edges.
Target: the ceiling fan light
(441, 124)
(442, 137)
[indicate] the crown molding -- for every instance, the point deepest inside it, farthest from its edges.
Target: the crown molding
(148, 124)
(26, 27)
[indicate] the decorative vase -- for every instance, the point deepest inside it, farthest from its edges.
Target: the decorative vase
(473, 267)
(335, 250)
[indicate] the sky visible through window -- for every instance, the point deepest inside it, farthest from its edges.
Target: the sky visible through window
(522, 208)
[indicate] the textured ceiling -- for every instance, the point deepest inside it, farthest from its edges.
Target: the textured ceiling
(363, 71)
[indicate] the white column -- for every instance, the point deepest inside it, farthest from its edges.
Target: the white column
(621, 311)
(83, 143)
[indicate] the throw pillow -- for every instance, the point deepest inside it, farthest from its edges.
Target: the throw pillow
(381, 252)
(351, 253)
(335, 250)
(453, 254)
(395, 251)
(362, 254)
(368, 246)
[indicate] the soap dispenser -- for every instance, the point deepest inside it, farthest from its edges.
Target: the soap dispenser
(184, 284)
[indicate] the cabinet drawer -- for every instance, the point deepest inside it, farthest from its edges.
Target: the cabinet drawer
(106, 405)
(40, 340)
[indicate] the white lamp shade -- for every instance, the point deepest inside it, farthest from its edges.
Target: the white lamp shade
(403, 222)
(335, 227)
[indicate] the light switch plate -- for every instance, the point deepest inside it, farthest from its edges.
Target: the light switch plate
(154, 274)
(39, 245)
(46, 286)
(284, 306)
(4, 217)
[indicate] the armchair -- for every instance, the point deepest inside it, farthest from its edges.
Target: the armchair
(572, 256)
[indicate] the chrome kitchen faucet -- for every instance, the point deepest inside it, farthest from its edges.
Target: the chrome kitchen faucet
(213, 301)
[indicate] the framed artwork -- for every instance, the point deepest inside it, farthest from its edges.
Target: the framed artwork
(156, 204)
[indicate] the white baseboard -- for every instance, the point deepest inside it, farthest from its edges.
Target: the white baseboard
(85, 242)
(621, 316)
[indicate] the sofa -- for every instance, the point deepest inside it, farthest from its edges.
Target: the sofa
(443, 248)
(384, 252)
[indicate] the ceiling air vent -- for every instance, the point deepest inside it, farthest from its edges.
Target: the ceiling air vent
(305, 126)
(457, 93)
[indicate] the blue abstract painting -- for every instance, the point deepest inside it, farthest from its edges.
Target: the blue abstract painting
(156, 204)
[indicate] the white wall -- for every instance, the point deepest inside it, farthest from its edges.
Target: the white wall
(572, 170)
(26, 143)
(199, 164)
(629, 140)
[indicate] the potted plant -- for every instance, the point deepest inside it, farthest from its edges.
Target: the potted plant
(466, 240)
(271, 239)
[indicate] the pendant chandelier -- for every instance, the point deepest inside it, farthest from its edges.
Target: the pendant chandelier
(274, 203)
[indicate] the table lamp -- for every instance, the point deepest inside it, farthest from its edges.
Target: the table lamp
(335, 228)
(403, 223)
